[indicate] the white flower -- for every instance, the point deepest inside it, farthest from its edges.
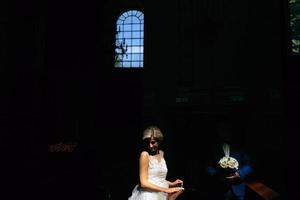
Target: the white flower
(229, 162)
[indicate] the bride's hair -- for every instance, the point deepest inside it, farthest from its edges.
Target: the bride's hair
(153, 132)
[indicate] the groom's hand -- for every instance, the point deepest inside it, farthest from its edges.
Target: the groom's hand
(233, 178)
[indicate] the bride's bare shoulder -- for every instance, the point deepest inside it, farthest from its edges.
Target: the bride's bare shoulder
(144, 154)
(162, 153)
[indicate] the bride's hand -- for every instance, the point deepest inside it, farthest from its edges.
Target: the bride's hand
(174, 190)
(174, 195)
(178, 183)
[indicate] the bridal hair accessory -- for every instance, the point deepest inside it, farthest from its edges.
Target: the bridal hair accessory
(227, 161)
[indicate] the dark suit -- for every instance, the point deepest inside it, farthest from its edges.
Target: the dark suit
(222, 188)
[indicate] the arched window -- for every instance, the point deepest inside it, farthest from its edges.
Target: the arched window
(129, 44)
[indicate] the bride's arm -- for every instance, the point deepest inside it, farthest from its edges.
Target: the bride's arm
(177, 183)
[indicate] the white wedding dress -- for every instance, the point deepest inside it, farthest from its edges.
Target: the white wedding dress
(157, 173)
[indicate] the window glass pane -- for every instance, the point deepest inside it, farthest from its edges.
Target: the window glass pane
(136, 27)
(136, 64)
(127, 34)
(139, 14)
(141, 17)
(118, 61)
(136, 42)
(128, 20)
(122, 18)
(121, 28)
(136, 34)
(136, 57)
(128, 57)
(128, 41)
(127, 27)
(135, 20)
(118, 51)
(134, 12)
(126, 64)
(135, 49)
(129, 49)
(126, 14)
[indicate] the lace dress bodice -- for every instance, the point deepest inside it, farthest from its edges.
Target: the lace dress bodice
(157, 173)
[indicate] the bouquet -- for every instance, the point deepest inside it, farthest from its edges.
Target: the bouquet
(228, 166)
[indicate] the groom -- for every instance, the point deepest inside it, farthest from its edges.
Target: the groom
(229, 168)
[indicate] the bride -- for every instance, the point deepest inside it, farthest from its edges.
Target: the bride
(153, 171)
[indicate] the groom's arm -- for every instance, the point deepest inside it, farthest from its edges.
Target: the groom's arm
(246, 168)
